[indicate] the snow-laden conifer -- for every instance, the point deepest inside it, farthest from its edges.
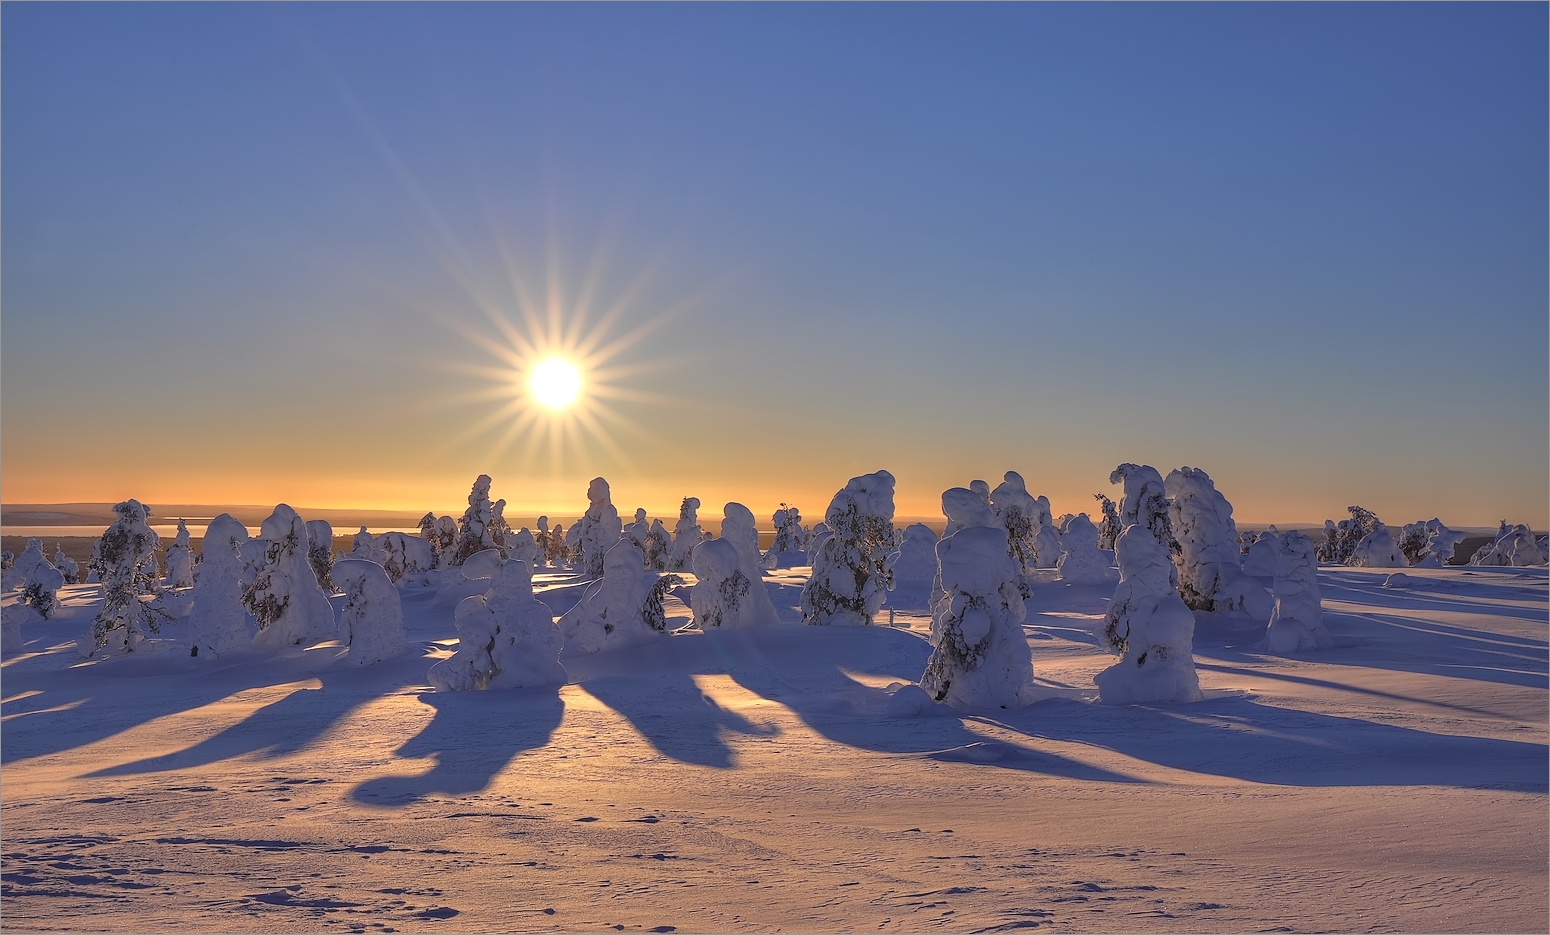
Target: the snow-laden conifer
(219, 621)
(963, 508)
(1081, 561)
(1513, 545)
(371, 620)
(507, 638)
(1429, 544)
(320, 552)
(621, 608)
(1145, 503)
(915, 569)
(67, 566)
(737, 528)
(1149, 627)
(22, 565)
(440, 533)
(686, 535)
(850, 575)
(1022, 517)
(637, 529)
(1110, 528)
(1264, 556)
(981, 657)
(1209, 574)
(476, 529)
(659, 545)
(1378, 549)
(522, 547)
(406, 559)
(597, 530)
(721, 588)
(124, 621)
(1297, 622)
(789, 547)
(285, 597)
(1341, 539)
(180, 560)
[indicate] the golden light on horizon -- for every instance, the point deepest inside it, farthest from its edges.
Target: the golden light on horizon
(555, 382)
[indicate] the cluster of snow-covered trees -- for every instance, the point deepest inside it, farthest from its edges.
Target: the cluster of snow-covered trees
(1169, 548)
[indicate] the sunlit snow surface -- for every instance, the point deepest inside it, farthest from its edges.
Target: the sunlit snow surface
(753, 780)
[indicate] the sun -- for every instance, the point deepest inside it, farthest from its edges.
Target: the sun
(555, 382)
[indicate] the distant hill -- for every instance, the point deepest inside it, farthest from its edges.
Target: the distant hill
(86, 514)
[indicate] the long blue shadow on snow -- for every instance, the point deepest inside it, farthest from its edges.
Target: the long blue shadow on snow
(472, 736)
(677, 718)
(1238, 738)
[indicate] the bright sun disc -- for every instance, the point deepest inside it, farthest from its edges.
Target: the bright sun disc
(555, 383)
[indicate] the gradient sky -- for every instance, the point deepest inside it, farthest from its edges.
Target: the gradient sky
(1301, 246)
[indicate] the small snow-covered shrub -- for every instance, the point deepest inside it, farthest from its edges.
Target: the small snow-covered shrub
(981, 657)
(1149, 627)
(41, 589)
(285, 596)
(850, 575)
(1514, 545)
(371, 621)
(507, 638)
(180, 560)
(219, 621)
(124, 621)
(1210, 577)
(621, 608)
(597, 530)
(686, 535)
(1146, 503)
(1081, 561)
(789, 548)
(320, 552)
(1378, 549)
(1297, 622)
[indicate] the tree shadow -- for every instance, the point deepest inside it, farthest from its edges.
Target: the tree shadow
(472, 737)
(675, 716)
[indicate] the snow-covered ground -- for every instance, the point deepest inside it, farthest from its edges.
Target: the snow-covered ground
(754, 780)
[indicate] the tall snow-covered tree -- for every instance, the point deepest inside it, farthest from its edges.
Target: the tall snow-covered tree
(686, 535)
(219, 621)
(980, 657)
(475, 530)
(1149, 627)
(1081, 561)
(285, 596)
(599, 527)
(1297, 622)
(850, 576)
(1145, 502)
(124, 621)
(180, 560)
(371, 621)
(1209, 574)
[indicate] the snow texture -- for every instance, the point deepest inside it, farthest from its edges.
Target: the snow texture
(686, 535)
(180, 560)
(1081, 561)
(1514, 545)
(285, 596)
(1297, 622)
(219, 621)
(981, 658)
(1378, 549)
(1209, 574)
(123, 621)
(507, 638)
(1149, 626)
(371, 620)
(850, 576)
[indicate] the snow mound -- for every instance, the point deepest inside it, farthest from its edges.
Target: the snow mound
(1150, 628)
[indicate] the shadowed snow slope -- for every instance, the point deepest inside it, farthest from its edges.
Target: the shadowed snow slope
(768, 778)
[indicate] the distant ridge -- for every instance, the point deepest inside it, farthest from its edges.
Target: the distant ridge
(85, 514)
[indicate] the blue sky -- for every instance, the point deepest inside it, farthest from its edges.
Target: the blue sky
(1302, 246)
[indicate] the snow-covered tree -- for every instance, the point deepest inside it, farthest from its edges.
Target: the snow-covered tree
(599, 528)
(363, 548)
(621, 608)
(476, 529)
(320, 552)
(1081, 561)
(22, 566)
(406, 559)
(1378, 549)
(124, 621)
(981, 657)
(721, 589)
(737, 527)
(219, 621)
(637, 530)
(180, 560)
(1149, 627)
(573, 545)
(499, 530)
(686, 535)
(816, 537)
(1210, 576)
(440, 533)
(522, 547)
(40, 589)
(963, 508)
(285, 596)
(67, 566)
(789, 548)
(915, 569)
(658, 545)
(1341, 539)
(1022, 517)
(507, 638)
(1297, 622)
(371, 622)
(850, 575)
(1145, 502)
(1437, 543)
(1264, 556)
(1514, 545)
